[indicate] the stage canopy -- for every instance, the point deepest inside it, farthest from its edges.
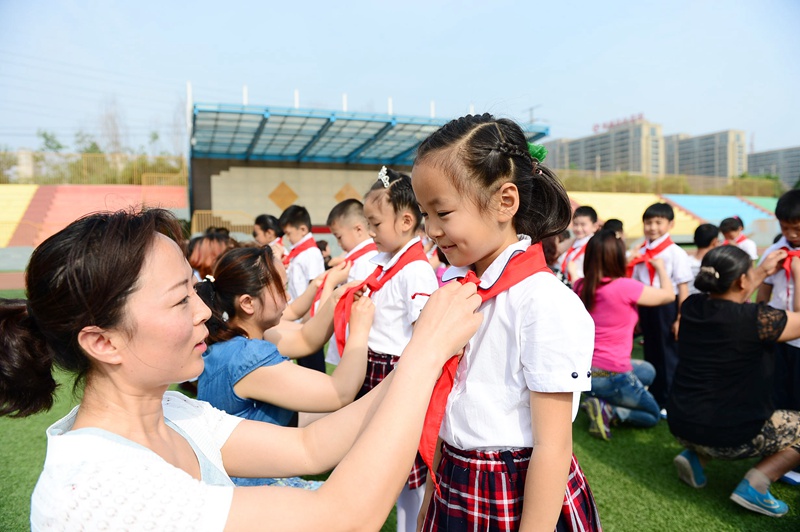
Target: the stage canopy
(281, 134)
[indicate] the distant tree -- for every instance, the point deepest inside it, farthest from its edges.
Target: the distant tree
(85, 143)
(8, 160)
(49, 141)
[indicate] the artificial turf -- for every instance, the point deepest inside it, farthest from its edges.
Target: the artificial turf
(632, 477)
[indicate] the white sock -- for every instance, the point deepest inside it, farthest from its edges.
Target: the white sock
(758, 480)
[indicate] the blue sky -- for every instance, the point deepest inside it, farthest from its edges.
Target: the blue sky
(694, 67)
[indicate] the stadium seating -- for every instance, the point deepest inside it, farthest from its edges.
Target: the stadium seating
(713, 209)
(629, 207)
(14, 201)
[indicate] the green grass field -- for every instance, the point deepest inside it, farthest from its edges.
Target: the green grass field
(632, 478)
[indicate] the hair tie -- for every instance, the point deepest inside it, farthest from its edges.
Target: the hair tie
(383, 176)
(537, 152)
(710, 270)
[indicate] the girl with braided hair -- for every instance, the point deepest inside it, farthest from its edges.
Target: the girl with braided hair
(503, 460)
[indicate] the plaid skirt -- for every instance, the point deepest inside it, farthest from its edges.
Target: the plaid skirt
(378, 368)
(484, 490)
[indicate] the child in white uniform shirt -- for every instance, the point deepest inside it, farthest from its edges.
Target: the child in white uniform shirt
(778, 290)
(706, 238)
(660, 324)
(402, 288)
(303, 264)
(350, 228)
(507, 428)
(584, 226)
(733, 230)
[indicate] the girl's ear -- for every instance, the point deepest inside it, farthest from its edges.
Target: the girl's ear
(245, 302)
(407, 221)
(507, 201)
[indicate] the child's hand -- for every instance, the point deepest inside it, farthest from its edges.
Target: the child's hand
(277, 251)
(773, 262)
(657, 263)
(338, 274)
(449, 320)
(335, 261)
(361, 316)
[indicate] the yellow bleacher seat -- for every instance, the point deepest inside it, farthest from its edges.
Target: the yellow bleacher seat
(629, 207)
(14, 201)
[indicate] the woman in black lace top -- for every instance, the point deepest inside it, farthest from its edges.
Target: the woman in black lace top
(720, 405)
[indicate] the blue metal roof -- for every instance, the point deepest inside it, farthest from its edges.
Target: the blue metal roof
(258, 133)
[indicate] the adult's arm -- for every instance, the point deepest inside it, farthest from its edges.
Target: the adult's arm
(652, 296)
(792, 329)
(769, 266)
(300, 306)
(297, 388)
(296, 343)
(387, 422)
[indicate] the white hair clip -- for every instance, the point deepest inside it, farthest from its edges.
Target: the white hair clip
(225, 316)
(383, 175)
(209, 278)
(710, 270)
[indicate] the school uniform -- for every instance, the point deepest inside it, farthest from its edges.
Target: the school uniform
(660, 347)
(361, 268)
(787, 354)
(535, 336)
(746, 245)
(575, 254)
(304, 268)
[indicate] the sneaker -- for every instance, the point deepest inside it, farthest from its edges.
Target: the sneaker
(744, 495)
(600, 416)
(689, 469)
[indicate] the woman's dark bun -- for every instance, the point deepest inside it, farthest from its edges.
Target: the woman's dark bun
(720, 268)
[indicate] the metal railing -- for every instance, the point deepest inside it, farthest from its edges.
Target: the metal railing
(44, 168)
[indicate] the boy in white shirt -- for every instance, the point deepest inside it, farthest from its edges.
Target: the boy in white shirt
(778, 290)
(584, 226)
(660, 324)
(303, 264)
(733, 229)
(350, 228)
(706, 238)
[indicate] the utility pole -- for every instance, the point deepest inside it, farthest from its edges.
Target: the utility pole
(530, 112)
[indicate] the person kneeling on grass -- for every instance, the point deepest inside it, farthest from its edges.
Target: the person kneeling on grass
(721, 403)
(619, 390)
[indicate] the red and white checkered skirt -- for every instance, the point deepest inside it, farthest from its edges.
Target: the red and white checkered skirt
(484, 490)
(378, 368)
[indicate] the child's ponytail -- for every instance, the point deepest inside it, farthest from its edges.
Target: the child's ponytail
(486, 152)
(26, 380)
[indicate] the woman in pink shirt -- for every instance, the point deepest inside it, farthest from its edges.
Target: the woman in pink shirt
(618, 383)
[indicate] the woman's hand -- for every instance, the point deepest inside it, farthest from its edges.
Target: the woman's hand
(448, 320)
(277, 251)
(773, 262)
(338, 274)
(657, 263)
(339, 292)
(361, 315)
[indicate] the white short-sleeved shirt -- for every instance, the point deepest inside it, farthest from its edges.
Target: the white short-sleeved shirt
(676, 263)
(536, 336)
(782, 291)
(361, 269)
(749, 247)
(304, 268)
(97, 480)
(395, 310)
(694, 264)
(572, 253)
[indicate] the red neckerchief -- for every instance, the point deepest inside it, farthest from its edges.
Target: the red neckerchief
(519, 267)
(351, 259)
(298, 249)
(787, 268)
(342, 312)
(646, 256)
(568, 259)
(739, 240)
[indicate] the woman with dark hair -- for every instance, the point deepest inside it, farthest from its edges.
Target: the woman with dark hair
(619, 384)
(721, 405)
(111, 299)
